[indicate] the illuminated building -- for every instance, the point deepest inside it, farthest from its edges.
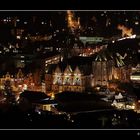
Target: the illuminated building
(21, 60)
(135, 77)
(39, 100)
(84, 73)
(136, 69)
(68, 80)
(75, 75)
(135, 74)
(122, 73)
(102, 71)
(19, 82)
(105, 70)
(52, 59)
(46, 105)
(40, 38)
(48, 82)
(120, 102)
(72, 23)
(15, 81)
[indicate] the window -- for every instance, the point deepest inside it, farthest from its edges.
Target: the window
(77, 80)
(67, 80)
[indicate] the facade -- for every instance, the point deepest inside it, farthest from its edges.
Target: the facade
(19, 82)
(105, 71)
(100, 72)
(122, 73)
(14, 81)
(135, 75)
(68, 80)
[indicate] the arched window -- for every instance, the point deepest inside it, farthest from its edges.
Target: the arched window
(77, 80)
(57, 79)
(67, 80)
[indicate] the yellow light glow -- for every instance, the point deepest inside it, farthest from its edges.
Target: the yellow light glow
(72, 23)
(98, 88)
(136, 77)
(133, 106)
(52, 96)
(125, 31)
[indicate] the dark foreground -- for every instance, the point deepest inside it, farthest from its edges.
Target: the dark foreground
(14, 118)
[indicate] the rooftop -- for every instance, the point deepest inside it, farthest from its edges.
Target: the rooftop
(33, 96)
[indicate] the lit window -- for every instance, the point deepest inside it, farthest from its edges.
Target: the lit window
(77, 80)
(67, 80)
(25, 22)
(18, 20)
(18, 37)
(22, 56)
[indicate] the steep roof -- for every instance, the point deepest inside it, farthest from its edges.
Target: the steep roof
(68, 69)
(58, 70)
(84, 64)
(33, 95)
(51, 68)
(77, 70)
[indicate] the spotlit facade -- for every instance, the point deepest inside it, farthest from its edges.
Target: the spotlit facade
(101, 72)
(135, 76)
(67, 80)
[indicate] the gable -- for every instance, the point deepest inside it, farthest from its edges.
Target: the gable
(57, 70)
(77, 71)
(68, 70)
